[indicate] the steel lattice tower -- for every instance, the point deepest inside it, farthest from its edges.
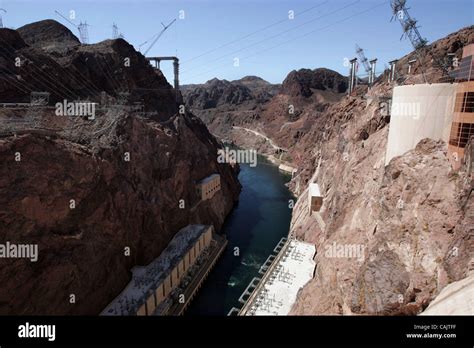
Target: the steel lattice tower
(83, 32)
(115, 33)
(410, 29)
(1, 22)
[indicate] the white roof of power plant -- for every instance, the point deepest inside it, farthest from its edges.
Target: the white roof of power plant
(314, 190)
(292, 272)
(146, 279)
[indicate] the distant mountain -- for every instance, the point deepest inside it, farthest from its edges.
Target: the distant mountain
(304, 81)
(215, 92)
(251, 102)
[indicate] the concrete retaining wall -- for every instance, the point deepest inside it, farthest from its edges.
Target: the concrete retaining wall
(418, 112)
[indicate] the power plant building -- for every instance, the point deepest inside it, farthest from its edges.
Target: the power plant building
(148, 293)
(209, 186)
(315, 198)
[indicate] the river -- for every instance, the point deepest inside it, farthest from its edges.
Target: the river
(260, 219)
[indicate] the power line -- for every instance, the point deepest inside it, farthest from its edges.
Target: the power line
(283, 32)
(252, 33)
(304, 35)
(39, 79)
(110, 77)
(43, 77)
(24, 88)
(13, 52)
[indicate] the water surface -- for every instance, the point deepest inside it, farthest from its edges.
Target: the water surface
(261, 218)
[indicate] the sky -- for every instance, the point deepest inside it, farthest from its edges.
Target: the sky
(230, 39)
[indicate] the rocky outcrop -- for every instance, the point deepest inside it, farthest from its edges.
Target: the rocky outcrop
(215, 93)
(97, 196)
(47, 33)
(304, 81)
(404, 231)
(79, 71)
(282, 113)
(388, 239)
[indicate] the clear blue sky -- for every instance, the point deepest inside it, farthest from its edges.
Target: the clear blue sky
(320, 37)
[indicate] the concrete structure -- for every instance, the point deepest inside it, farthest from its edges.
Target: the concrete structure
(455, 299)
(276, 292)
(463, 119)
(352, 75)
(373, 64)
(218, 244)
(287, 169)
(315, 199)
(393, 70)
(175, 60)
(208, 187)
(410, 63)
(418, 112)
(149, 292)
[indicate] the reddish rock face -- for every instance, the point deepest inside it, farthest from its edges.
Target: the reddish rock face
(84, 190)
(412, 219)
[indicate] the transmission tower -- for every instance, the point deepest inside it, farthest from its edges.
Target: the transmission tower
(115, 32)
(82, 28)
(1, 22)
(410, 30)
(83, 32)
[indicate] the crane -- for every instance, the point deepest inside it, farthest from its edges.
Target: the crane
(157, 36)
(82, 28)
(1, 23)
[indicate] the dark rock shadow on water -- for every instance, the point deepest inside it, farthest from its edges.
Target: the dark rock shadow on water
(257, 223)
